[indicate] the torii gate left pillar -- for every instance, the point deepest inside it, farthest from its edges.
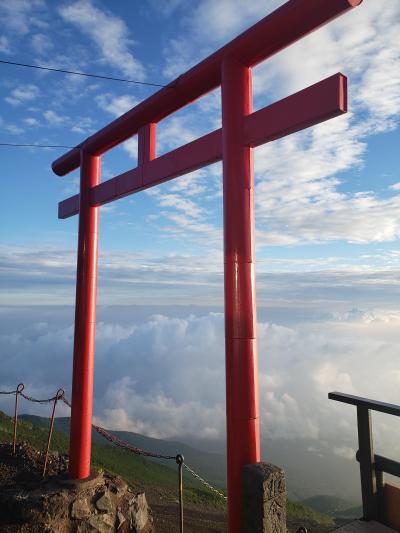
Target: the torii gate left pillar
(242, 130)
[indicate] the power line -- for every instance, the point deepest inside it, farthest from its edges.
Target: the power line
(36, 145)
(75, 73)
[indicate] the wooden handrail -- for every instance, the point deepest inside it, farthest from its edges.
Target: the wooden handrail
(373, 405)
(372, 466)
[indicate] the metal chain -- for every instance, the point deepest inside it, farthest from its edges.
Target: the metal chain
(204, 482)
(47, 400)
(127, 446)
(67, 402)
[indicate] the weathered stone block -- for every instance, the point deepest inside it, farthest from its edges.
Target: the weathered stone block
(104, 502)
(263, 499)
(139, 512)
(80, 508)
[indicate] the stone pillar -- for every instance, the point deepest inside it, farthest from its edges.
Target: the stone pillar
(263, 499)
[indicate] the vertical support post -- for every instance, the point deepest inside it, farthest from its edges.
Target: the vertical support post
(243, 434)
(146, 145)
(367, 466)
(179, 460)
(85, 322)
(58, 396)
(18, 391)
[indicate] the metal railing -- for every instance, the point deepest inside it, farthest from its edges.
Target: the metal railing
(372, 466)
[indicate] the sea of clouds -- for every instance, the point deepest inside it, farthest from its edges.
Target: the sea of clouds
(163, 375)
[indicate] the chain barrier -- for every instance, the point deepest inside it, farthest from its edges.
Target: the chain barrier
(205, 483)
(60, 396)
(123, 444)
(64, 399)
(30, 399)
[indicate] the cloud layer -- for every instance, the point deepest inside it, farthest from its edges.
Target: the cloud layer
(164, 375)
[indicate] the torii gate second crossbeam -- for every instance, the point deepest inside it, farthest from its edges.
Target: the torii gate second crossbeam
(242, 130)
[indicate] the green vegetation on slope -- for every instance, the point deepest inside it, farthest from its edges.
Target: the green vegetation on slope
(139, 472)
(158, 481)
(300, 512)
(210, 465)
(333, 506)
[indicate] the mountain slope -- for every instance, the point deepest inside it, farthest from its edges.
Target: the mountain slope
(209, 465)
(333, 506)
(158, 481)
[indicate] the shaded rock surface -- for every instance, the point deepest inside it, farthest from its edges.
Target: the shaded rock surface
(103, 503)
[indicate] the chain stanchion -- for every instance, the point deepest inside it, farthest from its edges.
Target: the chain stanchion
(58, 396)
(179, 461)
(19, 390)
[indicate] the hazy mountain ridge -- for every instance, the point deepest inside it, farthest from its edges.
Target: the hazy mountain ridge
(334, 506)
(309, 473)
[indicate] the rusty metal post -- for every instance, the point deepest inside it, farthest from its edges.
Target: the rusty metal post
(20, 388)
(179, 460)
(243, 432)
(58, 396)
(85, 322)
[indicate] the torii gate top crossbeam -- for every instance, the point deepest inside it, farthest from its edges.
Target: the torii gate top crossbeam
(289, 23)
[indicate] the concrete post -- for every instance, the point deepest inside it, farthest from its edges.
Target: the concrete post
(263, 499)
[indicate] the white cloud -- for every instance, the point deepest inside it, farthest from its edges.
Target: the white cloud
(4, 45)
(23, 94)
(297, 192)
(19, 15)
(116, 105)
(13, 129)
(346, 452)
(41, 43)
(53, 118)
(208, 26)
(108, 32)
(83, 125)
(220, 21)
(31, 121)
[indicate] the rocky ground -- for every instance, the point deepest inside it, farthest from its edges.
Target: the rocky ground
(28, 503)
(105, 503)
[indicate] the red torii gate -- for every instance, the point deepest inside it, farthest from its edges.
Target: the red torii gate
(242, 130)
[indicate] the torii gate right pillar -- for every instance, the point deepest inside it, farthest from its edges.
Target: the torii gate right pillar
(243, 433)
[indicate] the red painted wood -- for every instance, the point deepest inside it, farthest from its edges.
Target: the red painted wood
(85, 323)
(243, 443)
(286, 25)
(147, 144)
(317, 103)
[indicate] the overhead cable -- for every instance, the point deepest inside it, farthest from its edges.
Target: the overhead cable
(77, 73)
(20, 145)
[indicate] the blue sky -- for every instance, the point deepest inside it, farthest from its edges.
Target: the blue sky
(327, 210)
